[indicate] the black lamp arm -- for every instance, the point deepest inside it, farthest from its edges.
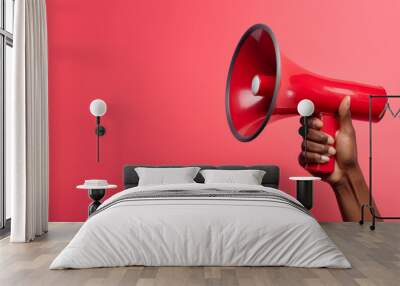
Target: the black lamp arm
(100, 131)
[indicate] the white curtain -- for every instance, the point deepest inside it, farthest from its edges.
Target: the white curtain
(27, 124)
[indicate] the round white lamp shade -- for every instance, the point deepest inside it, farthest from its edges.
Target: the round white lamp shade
(305, 107)
(98, 107)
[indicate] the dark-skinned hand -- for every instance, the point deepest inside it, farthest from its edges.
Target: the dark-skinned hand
(321, 147)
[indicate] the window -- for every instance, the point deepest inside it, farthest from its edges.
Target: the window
(6, 44)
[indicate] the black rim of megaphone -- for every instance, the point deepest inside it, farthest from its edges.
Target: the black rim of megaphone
(277, 81)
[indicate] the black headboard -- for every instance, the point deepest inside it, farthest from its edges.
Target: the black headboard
(271, 177)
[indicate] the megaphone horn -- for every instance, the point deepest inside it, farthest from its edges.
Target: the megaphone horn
(263, 84)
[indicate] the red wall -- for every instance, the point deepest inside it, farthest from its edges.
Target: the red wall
(161, 67)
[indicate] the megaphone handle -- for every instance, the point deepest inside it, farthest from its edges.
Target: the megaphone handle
(330, 127)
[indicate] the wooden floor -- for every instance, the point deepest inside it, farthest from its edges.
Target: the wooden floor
(375, 257)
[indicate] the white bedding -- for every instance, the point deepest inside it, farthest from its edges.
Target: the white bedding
(200, 231)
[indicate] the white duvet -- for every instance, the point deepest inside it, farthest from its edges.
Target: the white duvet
(200, 231)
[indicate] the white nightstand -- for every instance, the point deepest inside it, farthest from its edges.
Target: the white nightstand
(96, 190)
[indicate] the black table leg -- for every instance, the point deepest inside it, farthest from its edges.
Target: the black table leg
(305, 194)
(96, 195)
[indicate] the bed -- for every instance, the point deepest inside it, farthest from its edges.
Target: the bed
(198, 224)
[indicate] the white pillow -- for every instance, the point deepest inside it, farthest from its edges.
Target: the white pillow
(248, 177)
(163, 176)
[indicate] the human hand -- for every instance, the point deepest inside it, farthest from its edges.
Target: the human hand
(320, 147)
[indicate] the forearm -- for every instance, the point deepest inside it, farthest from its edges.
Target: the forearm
(351, 193)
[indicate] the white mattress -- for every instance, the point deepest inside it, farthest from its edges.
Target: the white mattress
(191, 231)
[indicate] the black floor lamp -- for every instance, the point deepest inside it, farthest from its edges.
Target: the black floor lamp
(370, 204)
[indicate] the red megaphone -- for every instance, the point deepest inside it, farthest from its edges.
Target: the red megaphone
(263, 85)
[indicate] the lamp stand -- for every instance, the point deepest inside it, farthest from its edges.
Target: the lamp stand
(370, 205)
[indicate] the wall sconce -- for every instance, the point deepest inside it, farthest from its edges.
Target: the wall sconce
(98, 108)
